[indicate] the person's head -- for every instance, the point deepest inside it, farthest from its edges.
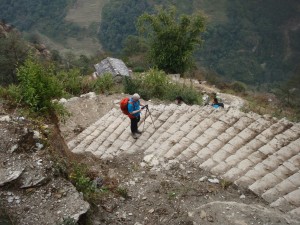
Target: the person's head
(216, 101)
(136, 97)
(179, 99)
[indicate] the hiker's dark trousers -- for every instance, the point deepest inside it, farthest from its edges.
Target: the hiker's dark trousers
(134, 124)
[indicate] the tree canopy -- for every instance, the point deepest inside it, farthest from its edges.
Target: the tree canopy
(172, 38)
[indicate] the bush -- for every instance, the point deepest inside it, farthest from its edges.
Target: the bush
(104, 83)
(156, 84)
(38, 85)
(239, 87)
(11, 93)
(138, 69)
(71, 81)
(81, 181)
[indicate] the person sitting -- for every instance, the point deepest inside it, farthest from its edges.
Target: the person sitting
(216, 104)
(179, 100)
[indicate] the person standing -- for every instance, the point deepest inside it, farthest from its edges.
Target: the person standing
(134, 114)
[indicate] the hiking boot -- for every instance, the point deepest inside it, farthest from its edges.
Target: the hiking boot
(139, 132)
(134, 135)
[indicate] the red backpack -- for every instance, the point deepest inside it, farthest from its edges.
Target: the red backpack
(124, 106)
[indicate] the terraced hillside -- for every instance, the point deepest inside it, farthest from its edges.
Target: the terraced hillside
(256, 152)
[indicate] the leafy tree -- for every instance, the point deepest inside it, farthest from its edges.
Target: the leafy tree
(13, 52)
(118, 21)
(172, 39)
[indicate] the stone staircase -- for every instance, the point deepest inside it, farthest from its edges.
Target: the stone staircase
(257, 152)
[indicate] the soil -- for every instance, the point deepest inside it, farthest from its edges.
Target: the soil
(175, 193)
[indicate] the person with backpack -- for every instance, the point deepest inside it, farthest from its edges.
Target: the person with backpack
(131, 107)
(217, 104)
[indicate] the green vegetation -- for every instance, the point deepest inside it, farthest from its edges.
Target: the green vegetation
(155, 84)
(39, 82)
(38, 85)
(42, 15)
(118, 21)
(68, 221)
(13, 52)
(255, 46)
(172, 40)
(122, 192)
(83, 183)
(255, 42)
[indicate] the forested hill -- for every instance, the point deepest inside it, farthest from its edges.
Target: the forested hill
(254, 41)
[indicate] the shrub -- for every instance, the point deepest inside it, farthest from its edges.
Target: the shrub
(138, 69)
(11, 93)
(104, 83)
(155, 84)
(68, 221)
(71, 81)
(239, 87)
(81, 181)
(38, 85)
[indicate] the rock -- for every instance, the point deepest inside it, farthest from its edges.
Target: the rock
(63, 101)
(7, 179)
(13, 148)
(36, 135)
(214, 181)
(73, 99)
(5, 119)
(39, 146)
(202, 214)
(148, 158)
(203, 178)
(39, 162)
(36, 183)
(89, 95)
(10, 199)
(151, 211)
(210, 218)
(181, 167)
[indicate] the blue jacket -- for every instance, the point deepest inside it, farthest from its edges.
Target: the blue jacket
(133, 106)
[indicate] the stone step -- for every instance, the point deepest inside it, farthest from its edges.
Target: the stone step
(172, 134)
(99, 123)
(185, 142)
(254, 152)
(266, 159)
(288, 202)
(275, 177)
(232, 142)
(286, 186)
(258, 152)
